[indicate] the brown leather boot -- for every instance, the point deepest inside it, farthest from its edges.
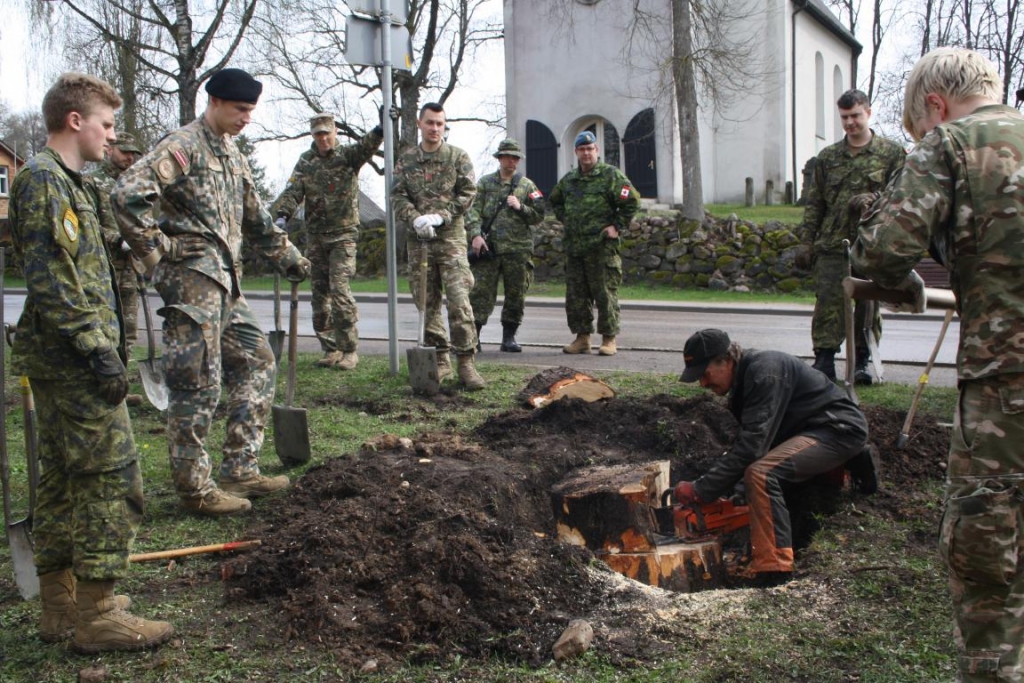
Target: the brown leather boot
(468, 376)
(254, 487)
(444, 366)
(580, 345)
(330, 359)
(216, 503)
(349, 361)
(57, 592)
(102, 627)
(607, 347)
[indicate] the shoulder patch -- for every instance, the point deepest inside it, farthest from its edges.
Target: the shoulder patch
(165, 168)
(536, 194)
(624, 194)
(69, 223)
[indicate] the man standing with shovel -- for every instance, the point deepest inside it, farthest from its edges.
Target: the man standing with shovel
(184, 209)
(69, 343)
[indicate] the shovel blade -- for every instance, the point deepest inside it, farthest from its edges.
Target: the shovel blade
(23, 558)
(422, 362)
(276, 339)
(154, 383)
(291, 435)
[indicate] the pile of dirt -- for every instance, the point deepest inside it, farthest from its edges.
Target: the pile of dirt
(444, 546)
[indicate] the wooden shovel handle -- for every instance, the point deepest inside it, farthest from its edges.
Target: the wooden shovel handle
(194, 550)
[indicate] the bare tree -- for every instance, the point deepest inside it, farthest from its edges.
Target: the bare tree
(26, 131)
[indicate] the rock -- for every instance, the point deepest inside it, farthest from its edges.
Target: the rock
(650, 261)
(368, 667)
(93, 674)
(575, 640)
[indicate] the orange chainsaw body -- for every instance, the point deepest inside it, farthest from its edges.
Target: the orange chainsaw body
(700, 520)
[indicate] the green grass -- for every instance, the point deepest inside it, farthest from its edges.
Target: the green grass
(760, 214)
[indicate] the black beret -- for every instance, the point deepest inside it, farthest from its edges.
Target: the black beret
(234, 85)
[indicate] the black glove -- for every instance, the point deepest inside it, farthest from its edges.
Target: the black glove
(862, 202)
(298, 271)
(111, 374)
(186, 247)
(804, 258)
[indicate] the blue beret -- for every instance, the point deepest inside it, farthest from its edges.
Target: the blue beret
(234, 85)
(585, 138)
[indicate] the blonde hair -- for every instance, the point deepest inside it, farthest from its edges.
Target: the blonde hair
(956, 74)
(75, 91)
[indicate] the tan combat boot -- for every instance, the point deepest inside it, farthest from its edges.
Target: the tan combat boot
(330, 359)
(607, 347)
(254, 487)
(468, 376)
(101, 626)
(349, 361)
(444, 366)
(581, 345)
(57, 592)
(216, 503)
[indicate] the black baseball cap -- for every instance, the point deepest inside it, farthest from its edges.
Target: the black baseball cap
(700, 349)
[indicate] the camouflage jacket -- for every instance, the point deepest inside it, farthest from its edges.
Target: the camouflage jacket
(510, 231)
(196, 182)
(838, 177)
(586, 203)
(441, 182)
(961, 198)
(102, 181)
(329, 185)
(71, 309)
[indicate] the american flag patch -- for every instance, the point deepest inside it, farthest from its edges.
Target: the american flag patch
(179, 156)
(536, 195)
(625, 192)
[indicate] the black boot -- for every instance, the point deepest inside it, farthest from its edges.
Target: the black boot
(508, 338)
(861, 374)
(479, 346)
(825, 362)
(865, 469)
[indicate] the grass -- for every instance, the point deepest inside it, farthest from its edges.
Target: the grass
(760, 214)
(859, 626)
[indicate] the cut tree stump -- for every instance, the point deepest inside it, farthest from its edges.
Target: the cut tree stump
(561, 382)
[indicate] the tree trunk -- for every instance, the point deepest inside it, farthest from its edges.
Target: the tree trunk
(686, 109)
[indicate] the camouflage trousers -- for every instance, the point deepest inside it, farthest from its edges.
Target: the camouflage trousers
(448, 274)
(828, 326)
(515, 271)
(981, 538)
(593, 280)
(89, 500)
(212, 338)
(128, 291)
(332, 265)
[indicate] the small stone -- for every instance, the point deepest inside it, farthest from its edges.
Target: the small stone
(368, 667)
(93, 674)
(575, 640)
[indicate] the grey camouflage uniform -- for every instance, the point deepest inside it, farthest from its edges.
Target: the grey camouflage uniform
(90, 501)
(441, 182)
(510, 241)
(329, 185)
(839, 175)
(585, 204)
(197, 184)
(961, 197)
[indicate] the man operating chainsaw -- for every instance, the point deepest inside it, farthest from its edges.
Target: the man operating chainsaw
(793, 424)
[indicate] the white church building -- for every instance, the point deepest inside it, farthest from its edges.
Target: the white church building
(566, 73)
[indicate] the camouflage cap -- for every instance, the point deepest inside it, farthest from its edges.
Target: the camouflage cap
(509, 148)
(322, 123)
(126, 142)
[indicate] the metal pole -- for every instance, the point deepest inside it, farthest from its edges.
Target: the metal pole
(389, 171)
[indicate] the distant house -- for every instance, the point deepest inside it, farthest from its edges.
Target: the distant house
(10, 162)
(565, 77)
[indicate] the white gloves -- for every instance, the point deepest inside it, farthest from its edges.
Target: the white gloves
(125, 246)
(425, 225)
(281, 222)
(913, 285)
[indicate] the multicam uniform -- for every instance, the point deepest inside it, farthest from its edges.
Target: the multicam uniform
(329, 185)
(585, 203)
(961, 197)
(510, 240)
(443, 183)
(196, 184)
(90, 500)
(839, 175)
(104, 179)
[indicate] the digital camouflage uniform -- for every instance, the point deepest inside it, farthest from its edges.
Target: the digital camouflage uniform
(961, 197)
(510, 240)
(585, 204)
(329, 185)
(442, 183)
(195, 183)
(839, 175)
(104, 178)
(90, 501)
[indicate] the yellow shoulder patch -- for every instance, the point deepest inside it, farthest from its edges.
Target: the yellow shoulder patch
(67, 229)
(69, 222)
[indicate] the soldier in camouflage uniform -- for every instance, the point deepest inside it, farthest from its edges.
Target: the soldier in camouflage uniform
(595, 202)
(122, 154)
(433, 189)
(847, 175)
(326, 177)
(960, 197)
(184, 209)
(70, 345)
(507, 206)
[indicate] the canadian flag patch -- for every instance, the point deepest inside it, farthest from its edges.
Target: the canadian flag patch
(536, 195)
(625, 192)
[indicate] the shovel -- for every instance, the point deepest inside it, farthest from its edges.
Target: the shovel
(152, 371)
(422, 360)
(276, 337)
(851, 345)
(291, 431)
(901, 440)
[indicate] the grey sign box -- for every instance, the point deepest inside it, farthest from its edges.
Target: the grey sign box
(362, 44)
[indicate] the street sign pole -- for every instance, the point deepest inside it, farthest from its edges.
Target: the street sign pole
(389, 172)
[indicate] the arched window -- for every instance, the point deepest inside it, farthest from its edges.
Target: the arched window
(639, 150)
(838, 88)
(819, 95)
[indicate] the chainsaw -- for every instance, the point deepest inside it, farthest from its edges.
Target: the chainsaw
(700, 521)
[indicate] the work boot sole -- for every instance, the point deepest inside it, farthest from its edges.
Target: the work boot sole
(122, 646)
